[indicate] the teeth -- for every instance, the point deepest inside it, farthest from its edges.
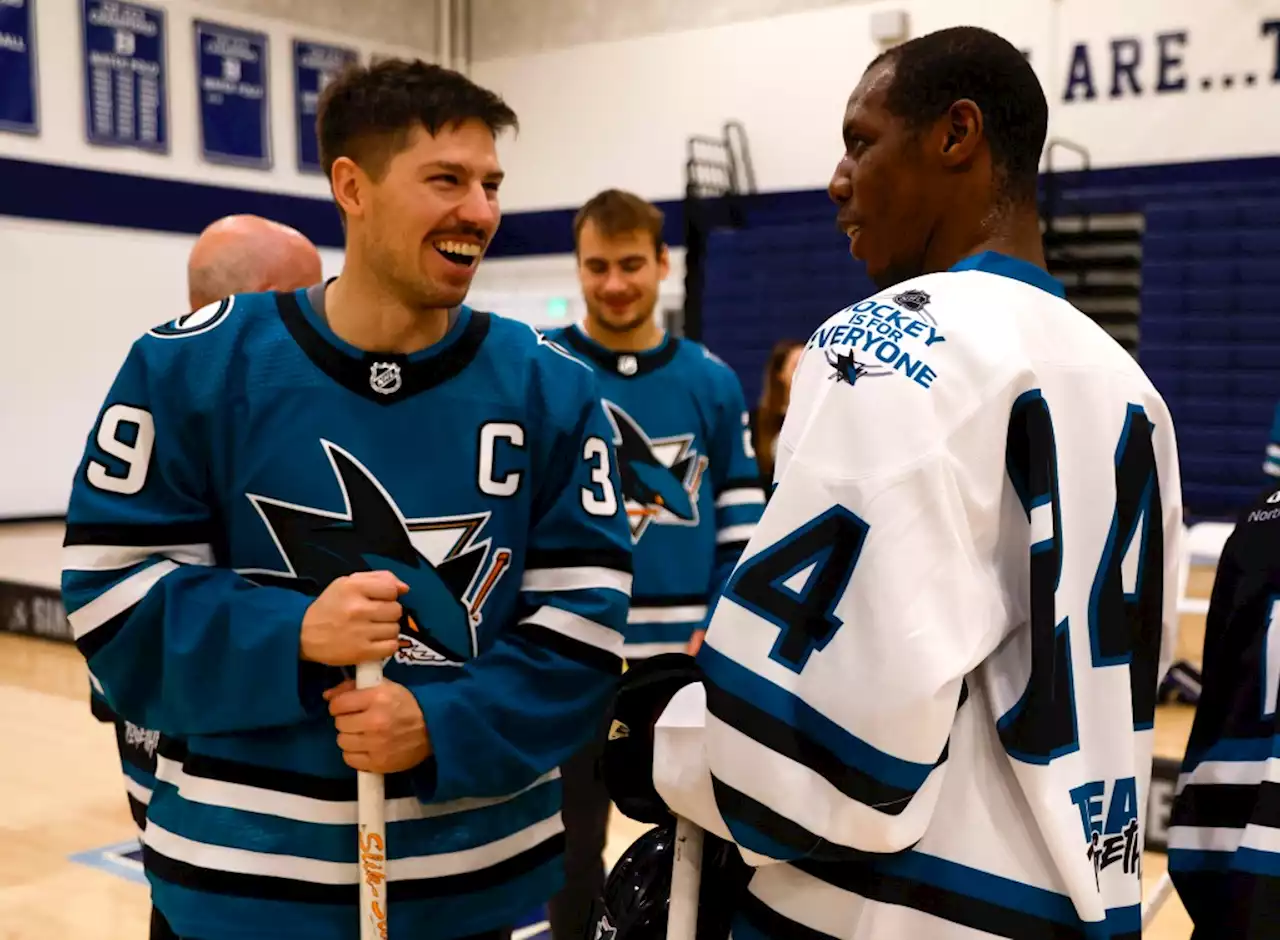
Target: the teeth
(459, 248)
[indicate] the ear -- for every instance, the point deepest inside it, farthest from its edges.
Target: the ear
(350, 187)
(962, 133)
(664, 263)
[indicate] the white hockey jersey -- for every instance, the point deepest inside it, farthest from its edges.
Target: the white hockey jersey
(930, 682)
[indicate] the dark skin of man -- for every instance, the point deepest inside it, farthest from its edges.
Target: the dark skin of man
(918, 201)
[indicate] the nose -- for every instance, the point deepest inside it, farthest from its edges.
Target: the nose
(479, 208)
(615, 282)
(840, 189)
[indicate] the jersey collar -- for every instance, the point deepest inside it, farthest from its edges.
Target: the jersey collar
(993, 262)
(627, 365)
(382, 377)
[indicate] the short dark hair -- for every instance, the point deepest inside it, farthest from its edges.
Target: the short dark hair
(616, 212)
(368, 111)
(934, 71)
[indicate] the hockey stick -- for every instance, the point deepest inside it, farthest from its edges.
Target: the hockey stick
(373, 833)
(686, 880)
(1159, 894)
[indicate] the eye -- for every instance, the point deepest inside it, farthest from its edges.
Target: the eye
(492, 187)
(449, 179)
(632, 266)
(855, 145)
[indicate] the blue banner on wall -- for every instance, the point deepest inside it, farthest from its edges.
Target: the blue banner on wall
(124, 70)
(314, 66)
(18, 110)
(235, 119)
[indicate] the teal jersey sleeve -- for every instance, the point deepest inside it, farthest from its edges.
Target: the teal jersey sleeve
(175, 642)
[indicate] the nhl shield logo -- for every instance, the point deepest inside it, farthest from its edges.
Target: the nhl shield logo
(384, 377)
(913, 300)
(628, 365)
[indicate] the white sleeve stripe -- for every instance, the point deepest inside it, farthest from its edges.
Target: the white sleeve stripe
(1205, 838)
(746, 496)
(137, 790)
(116, 557)
(735, 533)
(691, 614)
(118, 598)
(576, 627)
(1231, 773)
(808, 799)
(1271, 468)
(1273, 450)
(576, 579)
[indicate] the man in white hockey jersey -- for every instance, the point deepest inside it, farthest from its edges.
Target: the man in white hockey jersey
(924, 705)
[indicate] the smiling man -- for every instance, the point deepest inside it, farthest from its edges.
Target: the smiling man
(281, 486)
(924, 705)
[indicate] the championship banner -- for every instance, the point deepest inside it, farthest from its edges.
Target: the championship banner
(314, 66)
(18, 110)
(231, 72)
(32, 610)
(124, 68)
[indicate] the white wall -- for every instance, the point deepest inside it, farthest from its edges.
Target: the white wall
(619, 113)
(75, 296)
(505, 28)
(74, 299)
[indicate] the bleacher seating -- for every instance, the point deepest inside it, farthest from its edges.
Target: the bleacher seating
(780, 276)
(1210, 328)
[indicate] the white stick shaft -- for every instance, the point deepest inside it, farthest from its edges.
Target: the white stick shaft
(373, 834)
(686, 879)
(1159, 894)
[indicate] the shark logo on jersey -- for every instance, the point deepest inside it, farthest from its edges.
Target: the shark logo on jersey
(449, 571)
(660, 476)
(849, 369)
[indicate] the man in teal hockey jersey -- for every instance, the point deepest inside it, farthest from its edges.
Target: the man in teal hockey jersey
(689, 477)
(280, 486)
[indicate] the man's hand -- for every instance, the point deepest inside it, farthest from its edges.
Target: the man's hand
(695, 642)
(380, 730)
(355, 620)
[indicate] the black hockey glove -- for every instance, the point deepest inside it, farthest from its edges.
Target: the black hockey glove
(627, 764)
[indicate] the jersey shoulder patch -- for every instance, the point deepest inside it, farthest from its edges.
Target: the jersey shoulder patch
(208, 317)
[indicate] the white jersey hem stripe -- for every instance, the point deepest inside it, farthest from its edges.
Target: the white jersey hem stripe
(735, 533)
(747, 496)
(575, 579)
(577, 628)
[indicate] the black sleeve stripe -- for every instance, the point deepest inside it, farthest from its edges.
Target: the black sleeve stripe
(783, 739)
(877, 882)
(1227, 806)
(731, 548)
(569, 648)
(736, 806)
(578, 558)
(174, 533)
(739, 483)
(93, 642)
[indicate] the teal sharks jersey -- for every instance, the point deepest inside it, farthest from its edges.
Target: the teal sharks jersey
(246, 457)
(689, 478)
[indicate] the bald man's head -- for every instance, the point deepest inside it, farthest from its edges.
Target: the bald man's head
(242, 254)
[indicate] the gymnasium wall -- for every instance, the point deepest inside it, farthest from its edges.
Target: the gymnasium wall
(93, 239)
(1125, 79)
